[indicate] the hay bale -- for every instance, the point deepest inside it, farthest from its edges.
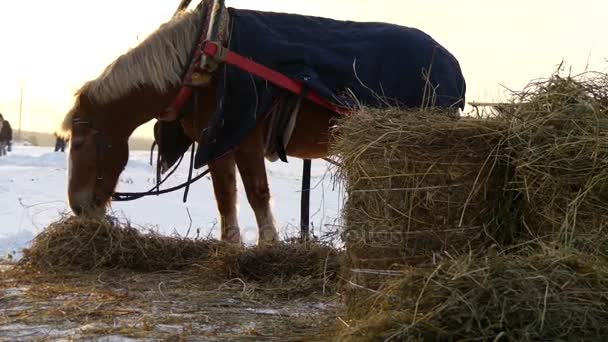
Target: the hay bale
(558, 144)
(420, 184)
(547, 295)
(91, 243)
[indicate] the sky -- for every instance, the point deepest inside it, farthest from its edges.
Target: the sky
(51, 48)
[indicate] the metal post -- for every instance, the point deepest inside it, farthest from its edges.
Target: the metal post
(305, 202)
(20, 109)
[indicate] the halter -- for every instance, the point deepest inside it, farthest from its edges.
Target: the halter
(101, 148)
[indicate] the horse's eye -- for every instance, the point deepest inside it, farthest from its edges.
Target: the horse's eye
(77, 143)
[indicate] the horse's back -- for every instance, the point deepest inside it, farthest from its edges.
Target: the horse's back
(348, 63)
(368, 59)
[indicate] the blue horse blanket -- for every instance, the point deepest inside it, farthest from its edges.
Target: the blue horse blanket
(380, 64)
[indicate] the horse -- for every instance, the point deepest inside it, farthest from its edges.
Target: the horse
(143, 81)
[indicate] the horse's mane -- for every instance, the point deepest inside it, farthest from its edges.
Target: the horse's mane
(159, 61)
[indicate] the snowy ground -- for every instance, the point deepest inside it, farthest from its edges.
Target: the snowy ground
(33, 194)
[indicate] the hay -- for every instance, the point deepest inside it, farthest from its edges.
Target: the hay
(286, 269)
(88, 243)
(437, 195)
(289, 269)
(420, 184)
(547, 295)
(558, 144)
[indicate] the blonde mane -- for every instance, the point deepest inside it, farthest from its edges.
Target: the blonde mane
(159, 61)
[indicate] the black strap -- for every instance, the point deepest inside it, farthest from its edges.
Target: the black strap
(130, 196)
(152, 152)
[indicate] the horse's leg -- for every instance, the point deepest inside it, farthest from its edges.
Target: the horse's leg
(223, 175)
(250, 161)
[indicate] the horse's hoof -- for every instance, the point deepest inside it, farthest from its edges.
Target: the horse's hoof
(232, 237)
(268, 237)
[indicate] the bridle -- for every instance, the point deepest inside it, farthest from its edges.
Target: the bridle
(100, 145)
(101, 148)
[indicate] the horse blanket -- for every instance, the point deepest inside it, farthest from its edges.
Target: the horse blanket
(348, 63)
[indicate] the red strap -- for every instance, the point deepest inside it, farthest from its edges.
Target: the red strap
(221, 54)
(171, 113)
(212, 49)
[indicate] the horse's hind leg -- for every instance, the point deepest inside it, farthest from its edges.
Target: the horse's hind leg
(223, 175)
(250, 161)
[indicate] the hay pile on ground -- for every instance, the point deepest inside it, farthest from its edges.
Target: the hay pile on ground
(90, 243)
(286, 269)
(546, 295)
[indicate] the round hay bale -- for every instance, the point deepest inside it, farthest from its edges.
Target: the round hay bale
(547, 295)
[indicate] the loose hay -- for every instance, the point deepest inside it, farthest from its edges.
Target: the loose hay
(285, 269)
(546, 295)
(87, 243)
(288, 269)
(558, 144)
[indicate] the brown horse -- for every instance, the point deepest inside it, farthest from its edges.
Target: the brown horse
(128, 94)
(140, 84)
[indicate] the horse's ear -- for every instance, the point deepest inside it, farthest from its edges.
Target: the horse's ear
(65, 129)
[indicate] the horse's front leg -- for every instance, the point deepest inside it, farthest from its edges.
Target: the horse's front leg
(223, 175)
(250, 161)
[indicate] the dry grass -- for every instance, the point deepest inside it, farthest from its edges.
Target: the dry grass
(90, 243)
(546, 295)
(133, 283)
(420, 185)
(436, 196)
(289, 269)
(558, 145)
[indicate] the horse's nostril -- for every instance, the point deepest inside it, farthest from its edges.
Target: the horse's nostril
(77, 210)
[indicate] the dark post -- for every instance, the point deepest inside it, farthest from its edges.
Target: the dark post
(305, 202)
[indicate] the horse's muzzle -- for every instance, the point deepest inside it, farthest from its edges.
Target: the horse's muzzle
(85, 203)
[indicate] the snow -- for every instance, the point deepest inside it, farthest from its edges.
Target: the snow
(33, 187)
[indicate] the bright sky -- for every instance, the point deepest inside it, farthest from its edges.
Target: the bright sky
(52, 47)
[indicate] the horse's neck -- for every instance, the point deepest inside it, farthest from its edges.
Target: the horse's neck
(140, 107)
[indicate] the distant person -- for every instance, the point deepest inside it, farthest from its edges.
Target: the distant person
(6, 136)
(59, 143)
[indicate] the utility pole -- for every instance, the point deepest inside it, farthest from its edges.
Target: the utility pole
(20, 108)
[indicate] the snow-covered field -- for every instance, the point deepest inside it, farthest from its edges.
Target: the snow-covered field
(33, 194)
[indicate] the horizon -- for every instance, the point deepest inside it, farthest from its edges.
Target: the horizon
(499, 47)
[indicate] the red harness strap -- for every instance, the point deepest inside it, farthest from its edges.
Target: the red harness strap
(223, 55)
(171, 113)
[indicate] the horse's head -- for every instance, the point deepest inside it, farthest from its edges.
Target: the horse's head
(132, 90)
(98, 153)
